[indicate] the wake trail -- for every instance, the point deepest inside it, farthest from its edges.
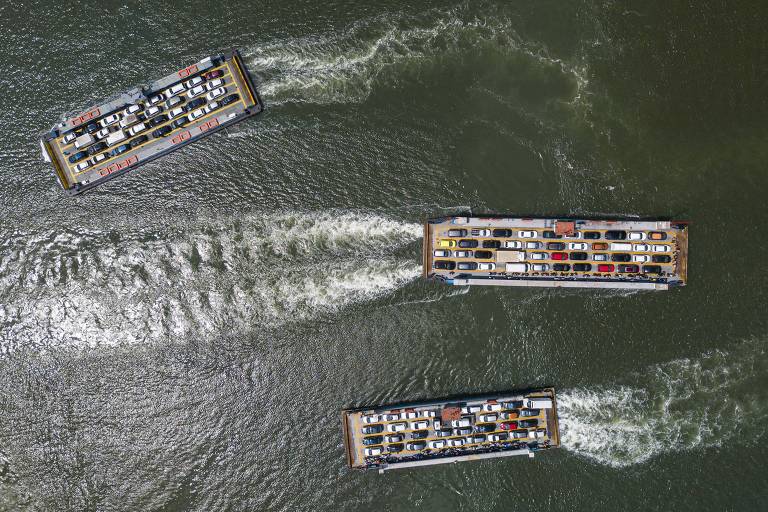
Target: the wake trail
(682, 405)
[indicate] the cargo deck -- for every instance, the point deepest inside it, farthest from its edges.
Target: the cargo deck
(133, 139)
(447, 431)
(551, 252)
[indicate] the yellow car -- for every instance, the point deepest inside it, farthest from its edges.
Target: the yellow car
(446, 243)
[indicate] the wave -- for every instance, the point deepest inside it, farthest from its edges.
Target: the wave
(682, 405)
(125, 285)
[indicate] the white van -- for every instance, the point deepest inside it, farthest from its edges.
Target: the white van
(516, 267)
(537, 403)
(618, 246)
(116, 137)
(84, 141)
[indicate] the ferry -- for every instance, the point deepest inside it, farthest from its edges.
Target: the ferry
(556, 252)
(447, 431)
(145, 123)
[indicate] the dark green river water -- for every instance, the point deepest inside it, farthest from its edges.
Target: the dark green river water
(184, 337)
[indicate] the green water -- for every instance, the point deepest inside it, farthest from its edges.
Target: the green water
(184, 337)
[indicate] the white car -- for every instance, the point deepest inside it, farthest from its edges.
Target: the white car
(575, 234)
(153, 111)
(463, 254)
(636, 235)
(172, 102)
(193, 82)
(173, 91)
(486, 266)
(409, 415)
(538, 434)
(540, 267)
(83, 165)
(641, 258)
(641, 247)
(437, 424)
(428, 414)
(218, 82)
(176, 112)
(128, 121)
(156, 99)
(519, 434)
(436, 445)
(534, 245)
(98, 158)
(442, 254)
(495, 438)
(539, 256)
(527, 234)
(109, 120)
(481, 232)
(136, 129)
(577, 246)
(471, 409)
(211, 106)
(393, 438)
(461, 422)
(104, 132)
(221, 91)
(458, 441)
(487, 418)
(132, 110)
(372, 452)
(492, 407)
(513, 244)
(419, 425)
(396, 427)
(600, 257)
(371, 418)
(660, 248)
(392, 416)
(196, 114)
(69, 138)
(197, 91)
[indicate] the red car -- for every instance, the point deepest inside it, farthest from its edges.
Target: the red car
(213, 74)
(509, 425)
(559, 255)
(605, 268)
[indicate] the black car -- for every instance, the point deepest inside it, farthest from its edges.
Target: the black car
(394, 448)
(192, 105)
(483, 255)
(615, 235)
(467, 244)
(621, 257)
(373, 429)
(491, 244)
(527, 423)
(578, 256)
(468, 265)
(661, 258)
(158, 120)
(163, 130)
(122, 148)
(555, 246)
(629, 269)
(582, 267)
(230, 99)
(561, 267)
(91, 127)
(78, 156)
(485, 427)
(178, 123)
(515, 404)
(420, 434)
(372, 440)
(592, 235)
(651, 269)
(141, 139)
(502, 233)
(444, 265)
(551, 234)
(97, 148)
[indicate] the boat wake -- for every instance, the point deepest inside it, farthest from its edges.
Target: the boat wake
(682, 405)
(126, 284)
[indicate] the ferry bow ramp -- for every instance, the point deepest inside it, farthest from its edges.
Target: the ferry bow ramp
(146, 123)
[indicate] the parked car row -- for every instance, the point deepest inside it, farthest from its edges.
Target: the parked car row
(586, 235)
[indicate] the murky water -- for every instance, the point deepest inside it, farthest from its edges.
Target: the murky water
(184, 337)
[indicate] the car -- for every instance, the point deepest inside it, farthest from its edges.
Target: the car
(199, 102)
(91, 127)
(527, 234)
(371, 418)
(540, 267)
(651, 269)
(211, 106)
(560, 256)
(132, 119)
(641, 258)
(528, 413)
(661, 258)
(78, 156)
(441, 253)
(492, 407)
(615, 235)
(372, 440)
(372, 429)
(101, 134)
(444, 433)
(446, 243)
(462, 431)
(428, 414)
(538, 256)
(372, 452)
(393, 416)
(176, 112)
(492, 244)
(487, 418)
(436, 445)
(82, 166)
(157, 98)
(477, 438)
(513, 404)
(483, 255)
(152, 111)
(508, 415)
(551, 234)
(136, 129)
(600, 257)
(138, 141)
(98, 158)
(468, 244)
(419, 425)
(178, 123)
(555, 246)
(508, 425)
(196, 91)
(471, 409)
(69, 138)
(444, 265)
(467, 265)
(409, 415)
(660, 248)
(513, 244)
(575, 234)
(519, 434)
(174, 90)
(210, 75)
(162, 131)
(577, 246)
(215, 93)
(109, 120)
(528, 423)
(640, 247)
(396, 427)
(97, 148)
(457, 441)
(461, 422)
(395, 448)
(501, 233)
(561, 267)
(230, 99)
(582, 267)
(534, 245)
(194, 82)
(420, 434)
(393, 438)
(579, 256)
(213, 84)
(415, 447)
(481, 232)
(657, 235)
(133, 109)
(621, 257)
(486, 266)
(172, 102)
(495, 438)
(605, 267)
(158, 120)
(196, 114)
(122, 148)
(463, 254)
(537, 434)
(457, 233)
(629, 269)
(488, 427)
(599, 246)
(636, 235)
(591, 235)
